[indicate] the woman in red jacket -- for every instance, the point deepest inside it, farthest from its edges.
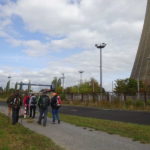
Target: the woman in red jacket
(26, 100)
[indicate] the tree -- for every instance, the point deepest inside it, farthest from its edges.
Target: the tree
(1, 89)
(8, 86)
(95, 87)
(57, 84)
(126, 86)
(72, 89)
(91, 86)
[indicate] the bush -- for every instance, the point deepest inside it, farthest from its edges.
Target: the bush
(129, 102)
(63, 96)
(148, 102)
(139, 103)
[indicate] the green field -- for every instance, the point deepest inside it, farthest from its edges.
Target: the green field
(136, 132)
(17, 137)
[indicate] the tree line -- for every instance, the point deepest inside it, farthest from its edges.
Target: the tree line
(126, 86)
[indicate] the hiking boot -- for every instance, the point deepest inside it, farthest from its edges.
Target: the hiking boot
(53, 122)
(39, 123)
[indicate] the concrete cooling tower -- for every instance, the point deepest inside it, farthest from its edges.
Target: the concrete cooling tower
(141, 68)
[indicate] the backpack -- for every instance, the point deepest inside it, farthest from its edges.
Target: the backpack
(33, 100)
(16, 102)
(59, 102)
(44, 101)
(28, 99)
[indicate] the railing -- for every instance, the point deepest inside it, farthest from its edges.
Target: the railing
(108, 96)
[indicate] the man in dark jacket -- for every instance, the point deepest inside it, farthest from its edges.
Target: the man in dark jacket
(55, 107)
(15, 102)
(43, 104)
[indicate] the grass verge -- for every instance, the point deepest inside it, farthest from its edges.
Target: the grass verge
(17, 137)
(115, 105)
(2, 99)
(136, 132)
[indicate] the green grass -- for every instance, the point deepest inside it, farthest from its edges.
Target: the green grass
(114, 105)
(17, 137)
(136, 132)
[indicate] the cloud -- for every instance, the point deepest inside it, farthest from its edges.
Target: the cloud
(35, 48)
(81, 24)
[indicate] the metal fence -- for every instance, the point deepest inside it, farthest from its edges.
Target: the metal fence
(109, 97)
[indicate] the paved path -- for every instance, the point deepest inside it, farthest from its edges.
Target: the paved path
(138, 117)
(76, 138)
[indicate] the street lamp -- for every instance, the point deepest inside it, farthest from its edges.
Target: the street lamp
(81, 72)
(101, 46)
(81, 76)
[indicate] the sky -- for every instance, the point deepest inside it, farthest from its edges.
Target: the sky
(41, 39)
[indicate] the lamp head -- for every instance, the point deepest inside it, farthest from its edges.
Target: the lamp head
(102, 45)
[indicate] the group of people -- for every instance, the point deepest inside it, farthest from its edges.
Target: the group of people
(30, 103)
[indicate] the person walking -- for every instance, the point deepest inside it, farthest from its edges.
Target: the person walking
(32, 105)
(16, 102)
(55, 105)
(26, 100)
(43, 104)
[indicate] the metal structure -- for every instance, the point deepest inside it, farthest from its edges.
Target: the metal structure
(101, 46)
(21, 84)
(81, 72)
(141, 68)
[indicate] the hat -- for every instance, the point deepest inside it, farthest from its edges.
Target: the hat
(54, 94)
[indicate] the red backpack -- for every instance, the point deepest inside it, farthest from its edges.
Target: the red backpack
(59, 102)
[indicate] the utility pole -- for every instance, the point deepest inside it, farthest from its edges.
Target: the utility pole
(112, 86)
(93, 86)
(63, 78)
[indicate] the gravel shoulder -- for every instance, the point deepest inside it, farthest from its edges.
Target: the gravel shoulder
(77, 138)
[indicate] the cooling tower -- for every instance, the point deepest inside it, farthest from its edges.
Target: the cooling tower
(141, 68)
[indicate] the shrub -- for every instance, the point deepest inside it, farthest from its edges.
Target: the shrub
(129, 102)
(139, 103)
(148, 102)
(63, 96)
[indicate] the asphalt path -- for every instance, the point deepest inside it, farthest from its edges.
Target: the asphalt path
(138, 117)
